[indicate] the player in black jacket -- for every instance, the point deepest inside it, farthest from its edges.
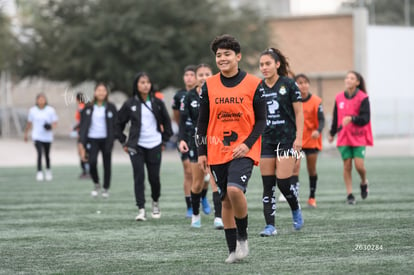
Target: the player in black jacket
(97, 133)
(150, 128)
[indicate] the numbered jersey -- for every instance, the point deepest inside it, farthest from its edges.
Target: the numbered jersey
(281, 121)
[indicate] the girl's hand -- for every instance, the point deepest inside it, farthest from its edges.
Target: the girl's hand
(315, 134)
(297, 145)
(202, 162)
(183, 147)
(82, 152)
(346, 120)
(330, 139)
(240, 151)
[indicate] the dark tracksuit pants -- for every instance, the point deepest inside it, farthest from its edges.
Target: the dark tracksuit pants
(97, 145)
(40, 147)
(152, 159)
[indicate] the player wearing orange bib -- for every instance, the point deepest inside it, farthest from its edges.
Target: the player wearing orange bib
(314, 121)
(231, 120)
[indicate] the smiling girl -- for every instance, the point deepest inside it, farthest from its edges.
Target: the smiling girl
(187, 145)
(282, 138)
(150, 129)
(351, 122)
(97, 133)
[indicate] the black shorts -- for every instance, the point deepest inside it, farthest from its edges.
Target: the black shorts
(310, 151)
(274, 150)
(183, 156)
(193, 154)
(234, 173)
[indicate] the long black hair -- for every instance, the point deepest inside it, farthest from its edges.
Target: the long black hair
(135, 91)
(361, 80)
(277, 55)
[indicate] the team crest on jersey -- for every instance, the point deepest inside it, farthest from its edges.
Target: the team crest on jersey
(88, 112)
(282, 90)
(110, 114)
(134, 108)
(341, 105)
(194, 104)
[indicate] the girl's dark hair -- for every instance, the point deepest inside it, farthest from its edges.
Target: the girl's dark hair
(227, 42)
(138, 76)
(203, 65)
(106, 88)
(41, 95)
(302, 76)
(277, 55)
(361, 80)
(81, 97)
(191, 68)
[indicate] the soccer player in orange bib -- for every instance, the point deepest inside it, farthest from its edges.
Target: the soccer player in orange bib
(314, 121)
(231, 120)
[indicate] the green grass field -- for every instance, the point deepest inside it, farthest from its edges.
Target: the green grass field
(54, 227)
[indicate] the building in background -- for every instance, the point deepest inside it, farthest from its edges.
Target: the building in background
(322, 38)
(326, 38)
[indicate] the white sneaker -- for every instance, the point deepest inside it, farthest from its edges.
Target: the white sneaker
(39, 176)
(156, 212)
(231, 258)
(141, 215)
(48, 175)
(218, 223)
(196, 221)
(95, 192)
(207, 177)
(242, 250)
(105, 194)
(281, 198)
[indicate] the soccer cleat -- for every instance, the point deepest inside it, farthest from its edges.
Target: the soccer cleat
(231, 258)
(206, 206)
(312, 202)
(48, 175)
(189, 213)
(156, 212)
(297, 219)
(141, 215)
(364, 190)
(268, 231)
(39, 176)
(105, 194)
(350, 199)
(282, 198)
(95, 192)
(242, 249)
(196, 221)
(218, 223)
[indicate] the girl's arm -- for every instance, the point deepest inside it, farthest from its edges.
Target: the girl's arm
(298, 108)
(26, 130)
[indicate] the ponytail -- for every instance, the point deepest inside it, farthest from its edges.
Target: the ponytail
(277, 55)
(361, 80)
